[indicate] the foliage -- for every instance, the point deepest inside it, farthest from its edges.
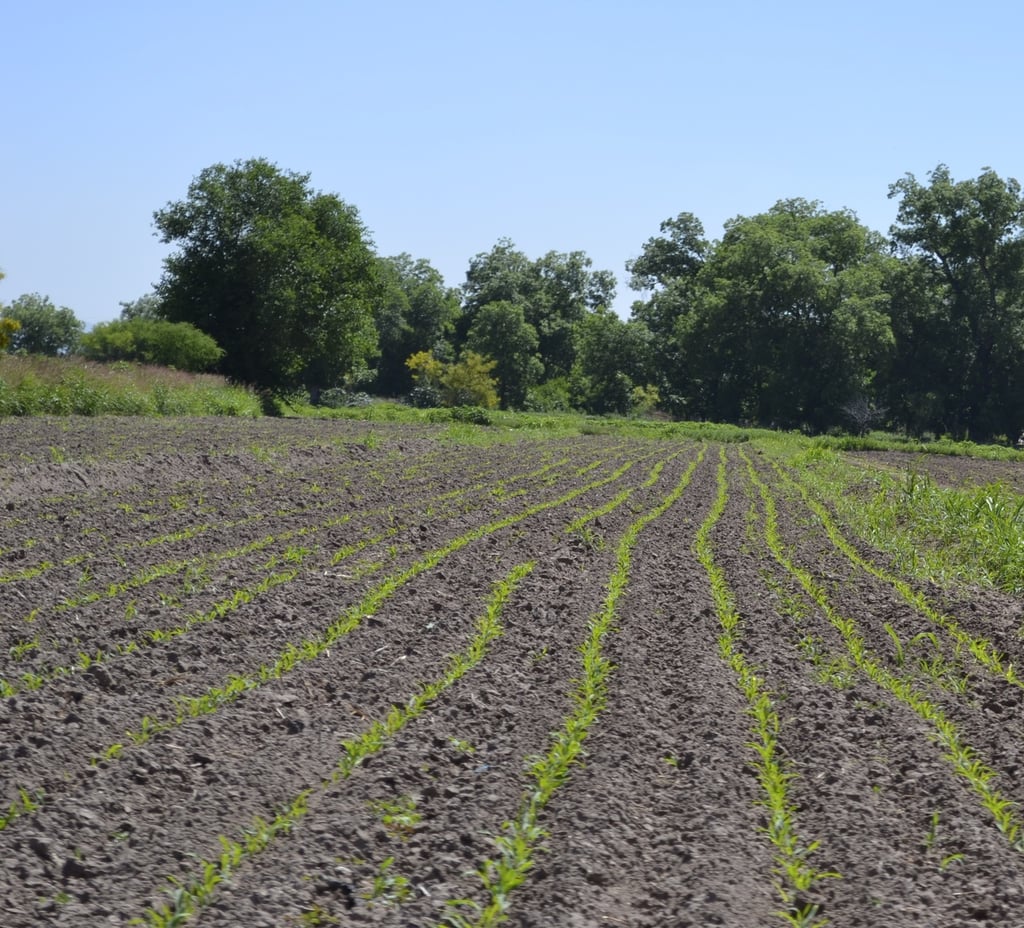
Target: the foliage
(501, 331)
(151, 341)
(959, 318)
(739, 321)
(467, 382)
(282, 277)
(42, 327)
(613, 359)
(34, 386)
(550, 396)
(7, 328)
(554, 292)
(147, 306)
(416, 312)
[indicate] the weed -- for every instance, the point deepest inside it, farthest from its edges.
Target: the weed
(388, 888)
(399, 817)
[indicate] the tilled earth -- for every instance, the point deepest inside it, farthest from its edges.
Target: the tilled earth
(199, 618)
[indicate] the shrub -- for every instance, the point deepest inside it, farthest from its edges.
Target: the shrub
(150, 341)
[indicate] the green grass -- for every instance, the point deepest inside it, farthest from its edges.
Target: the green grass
(38, 386)
(966, 535)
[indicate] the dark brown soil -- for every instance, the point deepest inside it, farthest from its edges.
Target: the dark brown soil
(144, 563)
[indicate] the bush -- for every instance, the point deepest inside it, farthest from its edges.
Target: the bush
(340, 398)
(550, 396)
(149, 341)
(472, 414)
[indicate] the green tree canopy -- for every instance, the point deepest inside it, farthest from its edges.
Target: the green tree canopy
(42, 327)
(282, 277)
(500, 331)
(152, 341)
(781, 322)
(613, 358)
(960, 317)
(148, 306)
(415, 312)
(554, 292)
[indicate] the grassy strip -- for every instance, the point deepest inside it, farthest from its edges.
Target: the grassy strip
(980, 647)
(965, 760)
(522, 835)
(796, 875)
(37, 385)
(975, 534)
(188, 898)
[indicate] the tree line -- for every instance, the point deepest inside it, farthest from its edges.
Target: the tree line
(799, 317)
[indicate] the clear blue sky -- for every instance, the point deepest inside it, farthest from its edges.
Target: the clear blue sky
(561, 125)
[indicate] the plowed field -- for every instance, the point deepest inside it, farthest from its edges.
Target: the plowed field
(283, 673)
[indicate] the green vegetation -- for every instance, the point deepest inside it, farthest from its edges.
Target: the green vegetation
(937, 533)
(797, 317)
(521, 836)
(387, 887)
(774, 772)
(41, 327)
(281, 276)
(152, 341)
(963, 758)
(37, 386)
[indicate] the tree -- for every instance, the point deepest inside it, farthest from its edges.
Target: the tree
(152, 341)
(500, 331)
(567, 290)
(794, 316)
(147, 306)
(668, 267)
(781, 322)
(7, 326)
(554, 292)
(964, 245)
(679, 252)
(467, 382)
(414, 313)
(282, 277)
(612, 372)
(42, 327)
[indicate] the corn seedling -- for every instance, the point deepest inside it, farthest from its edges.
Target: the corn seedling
(388, 888)
(962, 757)
(520, 837)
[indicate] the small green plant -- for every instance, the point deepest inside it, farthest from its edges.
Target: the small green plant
(19, 650)
(588, 539)
(933, 831)
(388, 888)
(900, 656)
(399, 816)
(318, 916)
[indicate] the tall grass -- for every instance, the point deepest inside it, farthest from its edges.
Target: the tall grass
(37, 386)
(947, 446)
(973, 534)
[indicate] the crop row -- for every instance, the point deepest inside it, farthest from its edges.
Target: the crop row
(313, 648)
(628, 682)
